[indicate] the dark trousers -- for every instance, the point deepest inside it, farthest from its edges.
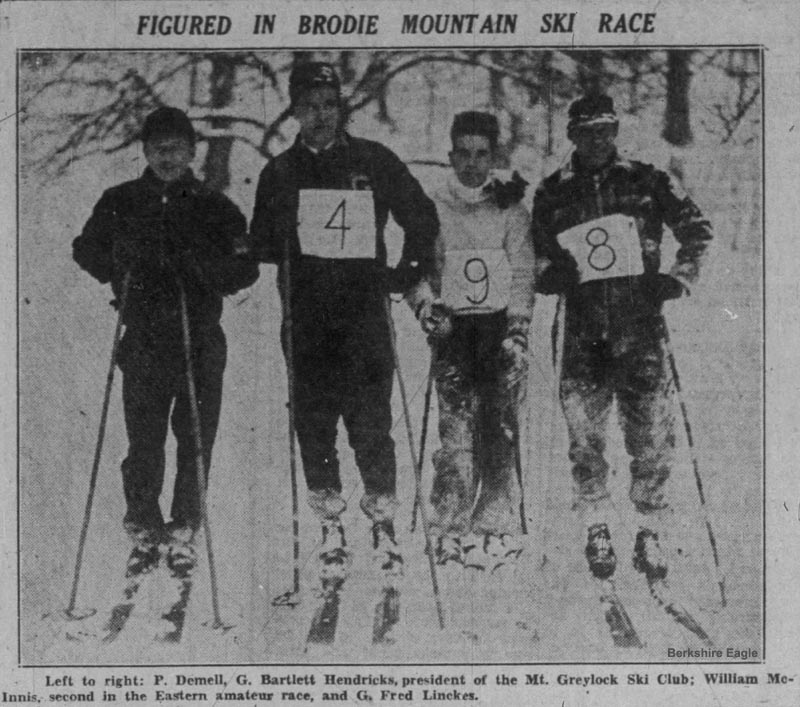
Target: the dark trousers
(627, 363)
(477, 413)
(344, 368)
(153, 383)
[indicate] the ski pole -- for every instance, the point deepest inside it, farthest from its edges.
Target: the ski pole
(101, 433)
(557, 333)
(518, 464)
(424, 434)
(291, 596)
(716, 571)
(200, 465)
(423, 513)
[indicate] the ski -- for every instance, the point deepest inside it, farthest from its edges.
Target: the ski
(326, 617)
(619, 623)
(138, 567)
(181, 573)
(664, 596)
(387, 612)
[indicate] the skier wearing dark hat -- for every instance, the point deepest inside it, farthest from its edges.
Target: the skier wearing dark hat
(478, 329)
(597, 227)
(325, 202)
(162, 232)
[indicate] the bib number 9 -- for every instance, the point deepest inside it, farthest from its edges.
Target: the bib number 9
(476, 280)
(336, 223)
(605, 247)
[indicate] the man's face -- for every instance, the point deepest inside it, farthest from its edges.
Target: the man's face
(169, 156)
(471, 158)
(319, 114)
(594, 144)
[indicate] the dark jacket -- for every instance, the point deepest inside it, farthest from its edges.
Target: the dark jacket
(166, 233)
(337, 286)
(575, 195)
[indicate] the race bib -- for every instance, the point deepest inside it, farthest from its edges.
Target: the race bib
(605, 247)
(336, 223)
(476, 280)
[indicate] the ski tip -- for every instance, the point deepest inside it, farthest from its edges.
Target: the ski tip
(77, 614)
(290, 599)
(218, 626)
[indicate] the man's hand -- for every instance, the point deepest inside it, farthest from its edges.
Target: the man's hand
(559, 277)
(436, 319)
(659, 287)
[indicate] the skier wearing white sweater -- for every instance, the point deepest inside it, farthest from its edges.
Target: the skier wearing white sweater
(478, 330)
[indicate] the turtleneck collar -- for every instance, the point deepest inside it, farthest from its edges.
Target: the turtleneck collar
(469, 195)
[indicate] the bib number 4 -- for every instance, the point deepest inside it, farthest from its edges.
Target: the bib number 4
(341, 213)
(336, 224)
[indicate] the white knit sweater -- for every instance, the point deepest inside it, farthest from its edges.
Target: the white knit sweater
(471, 221)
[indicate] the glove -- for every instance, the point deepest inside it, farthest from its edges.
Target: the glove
(558, 278)
(436, 319)
(659, 287)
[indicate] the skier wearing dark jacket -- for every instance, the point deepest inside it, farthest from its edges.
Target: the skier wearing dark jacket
(597, 227)
(167, 231)
(325, 202)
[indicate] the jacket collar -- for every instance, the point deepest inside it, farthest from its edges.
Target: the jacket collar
(185, 182)
(341, 140)
(574, 166)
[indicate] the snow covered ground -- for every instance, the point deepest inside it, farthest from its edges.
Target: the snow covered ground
(535, 612)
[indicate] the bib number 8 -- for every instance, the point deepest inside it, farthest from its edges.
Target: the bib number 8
(605, 247)
(601, 256)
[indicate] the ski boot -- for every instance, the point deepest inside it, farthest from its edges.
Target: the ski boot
(500, 549)
(181, 555)
(333, 554)
(145, 554)
(511, 546)
(385, 550)
(473, 552)
(649, 557)
(599, 553)
(448, 549)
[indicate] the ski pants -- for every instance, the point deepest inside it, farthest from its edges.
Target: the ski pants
(344, 369)
(153, 383)
(477, 409)
(631, 365)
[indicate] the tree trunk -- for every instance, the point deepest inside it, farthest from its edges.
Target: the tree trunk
(677, 127)
(590, 73)
(217, 163)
